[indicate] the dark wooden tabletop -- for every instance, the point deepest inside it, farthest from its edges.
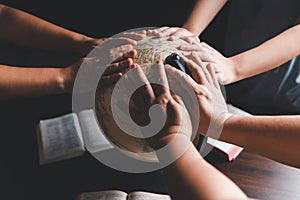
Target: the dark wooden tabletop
(260, 177)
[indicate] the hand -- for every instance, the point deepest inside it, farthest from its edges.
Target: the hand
(175, 33)
(111, 59)
(134, 35)
(225, 68)
(171, 108)
(88, 44)
(91, 44)
(213, 109)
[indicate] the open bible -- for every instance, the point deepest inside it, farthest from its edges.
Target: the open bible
(69, 136)
(121, 195)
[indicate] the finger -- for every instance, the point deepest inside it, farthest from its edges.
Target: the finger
(144, 31)
(213, 65)
(119, 39)
(180, 78)
(161, 89)
(110, 79)
(198, 61)
(212, 73)
(204, 55)
(192, 39)
(202, 52)
(191, 47)
(140, 81)
(139, 35)
(177, 106)
(123, 52)
(198, 46)
(178, 99)
(157, 30)
(116, 41)
(119, 67)
(196, 71)
(176, 35)
(166, 32)
(181, 35)
(205, 45)
(185, 81)
(113, 52)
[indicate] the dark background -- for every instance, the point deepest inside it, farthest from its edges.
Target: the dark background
(105, 18)
(21, 177)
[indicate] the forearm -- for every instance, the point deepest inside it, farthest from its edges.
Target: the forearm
(276, 137)
(191, 177)
(22, 28)
(268, 55)
(18, 82)
(202, 14)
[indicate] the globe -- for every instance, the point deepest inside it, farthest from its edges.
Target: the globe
(149, 50)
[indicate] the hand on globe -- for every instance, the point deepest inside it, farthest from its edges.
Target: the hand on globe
(212, 105)
(171, 108)
(174, 33)
(109, 61)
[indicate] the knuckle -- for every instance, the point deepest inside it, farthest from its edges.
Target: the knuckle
(162, 99)
(184, 76)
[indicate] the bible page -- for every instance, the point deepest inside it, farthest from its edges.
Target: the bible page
(93, 136)
(59, 138)
(141, 195)
(103, 195)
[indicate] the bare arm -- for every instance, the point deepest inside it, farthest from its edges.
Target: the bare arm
(276, 137)
(268, 55)
(202, 14)
(192, 177)
(18, 82)
(23, 28)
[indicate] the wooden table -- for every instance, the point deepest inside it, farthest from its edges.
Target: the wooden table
(260, 177)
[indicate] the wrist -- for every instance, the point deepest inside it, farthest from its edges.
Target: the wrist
(169, 138)
(53, 80)
(192, 29)
(235, 69)
(173, 147)
(169, 135)
(62, 82)
(215, 126)
(232, 66)
(227, 132)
